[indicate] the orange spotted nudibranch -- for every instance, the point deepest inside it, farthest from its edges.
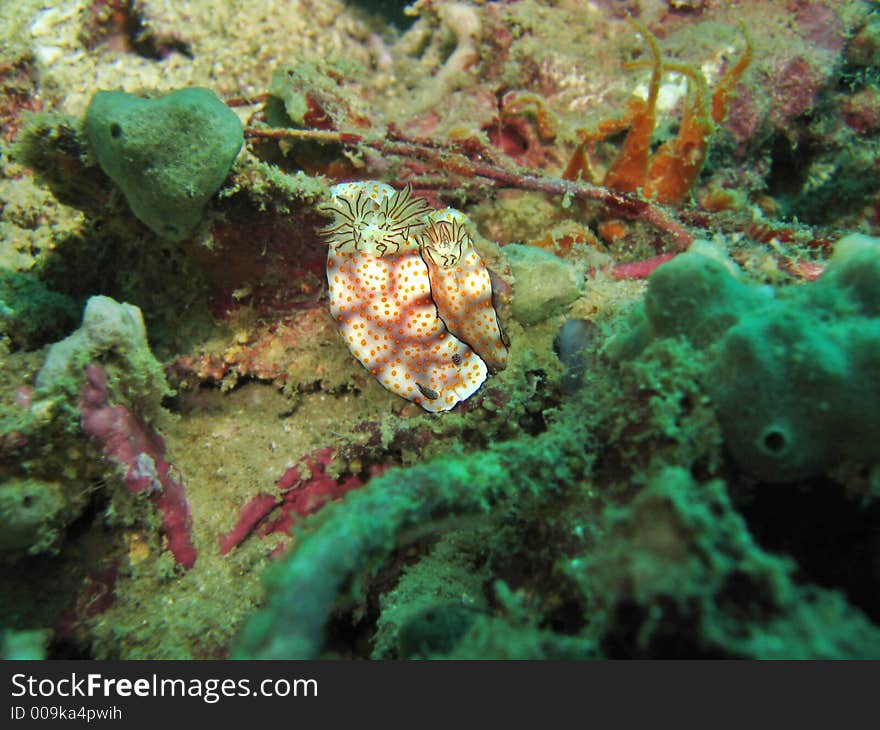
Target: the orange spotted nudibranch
(381, 297)
(461, 287)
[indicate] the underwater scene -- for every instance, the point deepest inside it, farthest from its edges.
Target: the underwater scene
(442, 329)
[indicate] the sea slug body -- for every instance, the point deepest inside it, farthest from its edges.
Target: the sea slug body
(380, 297)
(461, 287)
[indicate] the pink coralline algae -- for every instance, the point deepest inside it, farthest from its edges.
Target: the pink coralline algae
(303, 489)
(131, 444)
(861, 111)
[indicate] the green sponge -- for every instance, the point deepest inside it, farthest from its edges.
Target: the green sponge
(168, 155)
(793, 374)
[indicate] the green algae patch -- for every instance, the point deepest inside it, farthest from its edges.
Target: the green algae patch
(31, 314)
(33, 516)
(169, 155)
(346, 538)
(24, 645)
(435, 602)
(676, 573)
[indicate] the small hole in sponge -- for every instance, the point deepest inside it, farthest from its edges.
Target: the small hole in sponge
(774, 441)
(115, 131)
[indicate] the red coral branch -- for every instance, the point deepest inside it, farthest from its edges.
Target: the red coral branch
(303, 489)
(640, 269)
(251, 515)
(128, 442)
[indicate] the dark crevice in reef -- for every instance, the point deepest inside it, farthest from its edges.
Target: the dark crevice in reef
(351, 630)
(676, 637)
(390, 11)
(98, 503)
(813, 182)
(832, 536)
(348, 636)
(565, 618)
(788, 170)
(64, 649)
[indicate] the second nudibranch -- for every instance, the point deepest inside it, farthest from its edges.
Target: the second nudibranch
(417, 337)
(461, 287)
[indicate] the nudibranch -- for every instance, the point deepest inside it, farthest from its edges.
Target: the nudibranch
(380, 297)
(460, 285)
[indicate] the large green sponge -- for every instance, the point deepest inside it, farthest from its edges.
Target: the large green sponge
(168, 155)
(793, 374)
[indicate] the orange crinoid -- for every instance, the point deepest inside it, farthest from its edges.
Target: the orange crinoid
(669, 173)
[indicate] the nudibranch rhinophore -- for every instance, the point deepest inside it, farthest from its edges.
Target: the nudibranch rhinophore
(381, 296)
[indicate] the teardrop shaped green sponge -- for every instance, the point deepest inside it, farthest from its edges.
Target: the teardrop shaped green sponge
(169, 155)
